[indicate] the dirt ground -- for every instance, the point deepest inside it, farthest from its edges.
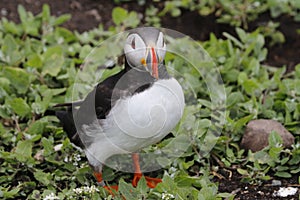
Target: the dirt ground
(87, 14)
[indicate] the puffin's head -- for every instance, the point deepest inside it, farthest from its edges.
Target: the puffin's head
(145, 48)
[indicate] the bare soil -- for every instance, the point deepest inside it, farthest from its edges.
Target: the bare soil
(88, 14)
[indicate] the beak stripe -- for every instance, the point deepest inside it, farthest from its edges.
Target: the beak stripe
(154, 63)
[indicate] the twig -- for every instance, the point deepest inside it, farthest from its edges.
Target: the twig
(220, 163)
(218, 175)
(234, 192)
(196, 151)
(17, 126)
(229, 172)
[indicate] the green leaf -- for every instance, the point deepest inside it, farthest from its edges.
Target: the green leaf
(274, 152)
(65, 33)
(251, 87)
(295, 159)
(11, 27)
(229, 153)
(20, 77)
(295, 171)
(53, 61)
(37, 127)
(22, 13)
(118, 15)
(242, 171)
(10, 45)
(132, 20)
(10, 49)
(40, 106)
(46, 13)
(127, 190)
(23, 150)
(297, 71)
(234, 40)
(282, 168)
(167, 184)
(2, 129)
(19, 106)
(265, 178)
(261, 157)
(242, 34)
(42, 177)
(48, 146)
(142, 186)
(208, 193)
(62, 19)
(4, 84)
(30, 24)
(283, 174)
(241, 122)
(34, 60)
(8, 194)
(175, 12)
(274, 139)
(234, 98)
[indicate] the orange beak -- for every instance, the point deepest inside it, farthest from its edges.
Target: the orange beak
(152, 62)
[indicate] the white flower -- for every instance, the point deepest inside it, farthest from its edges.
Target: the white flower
(86, 190)
(51, 196)
(58, 147)
(77, 190)
(77, 157)
(66, 159)
(167, 196)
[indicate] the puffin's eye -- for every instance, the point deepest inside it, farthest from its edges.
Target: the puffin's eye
(133, 43)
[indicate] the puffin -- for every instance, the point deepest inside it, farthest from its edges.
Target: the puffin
(135, 108)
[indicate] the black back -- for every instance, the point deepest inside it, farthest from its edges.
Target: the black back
(100, 100)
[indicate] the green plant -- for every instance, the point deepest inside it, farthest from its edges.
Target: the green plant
(39, 61)
(151, 17)
(125, 19)
(269, 31)
(255, 91)
(237, 13)
(289, 7)
(273, 159)
(37, 70)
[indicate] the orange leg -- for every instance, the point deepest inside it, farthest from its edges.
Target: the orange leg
(151, 182)
(111, 189)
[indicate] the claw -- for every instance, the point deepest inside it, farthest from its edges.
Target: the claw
(111, 189)
(151, 182)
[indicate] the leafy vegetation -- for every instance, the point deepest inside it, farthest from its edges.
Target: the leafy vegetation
(237, 12)
(39, 61)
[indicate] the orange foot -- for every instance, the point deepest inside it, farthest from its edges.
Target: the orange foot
(111, 189)
(151, 182)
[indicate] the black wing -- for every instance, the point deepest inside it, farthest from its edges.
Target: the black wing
(100, 100)
(97, 101)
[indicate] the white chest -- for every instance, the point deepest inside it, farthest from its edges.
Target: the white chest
(150, 113)
(140, 120)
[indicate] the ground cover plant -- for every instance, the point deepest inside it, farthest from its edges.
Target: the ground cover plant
(39, 60)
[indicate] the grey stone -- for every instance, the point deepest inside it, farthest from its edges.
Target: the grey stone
(257, 133)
